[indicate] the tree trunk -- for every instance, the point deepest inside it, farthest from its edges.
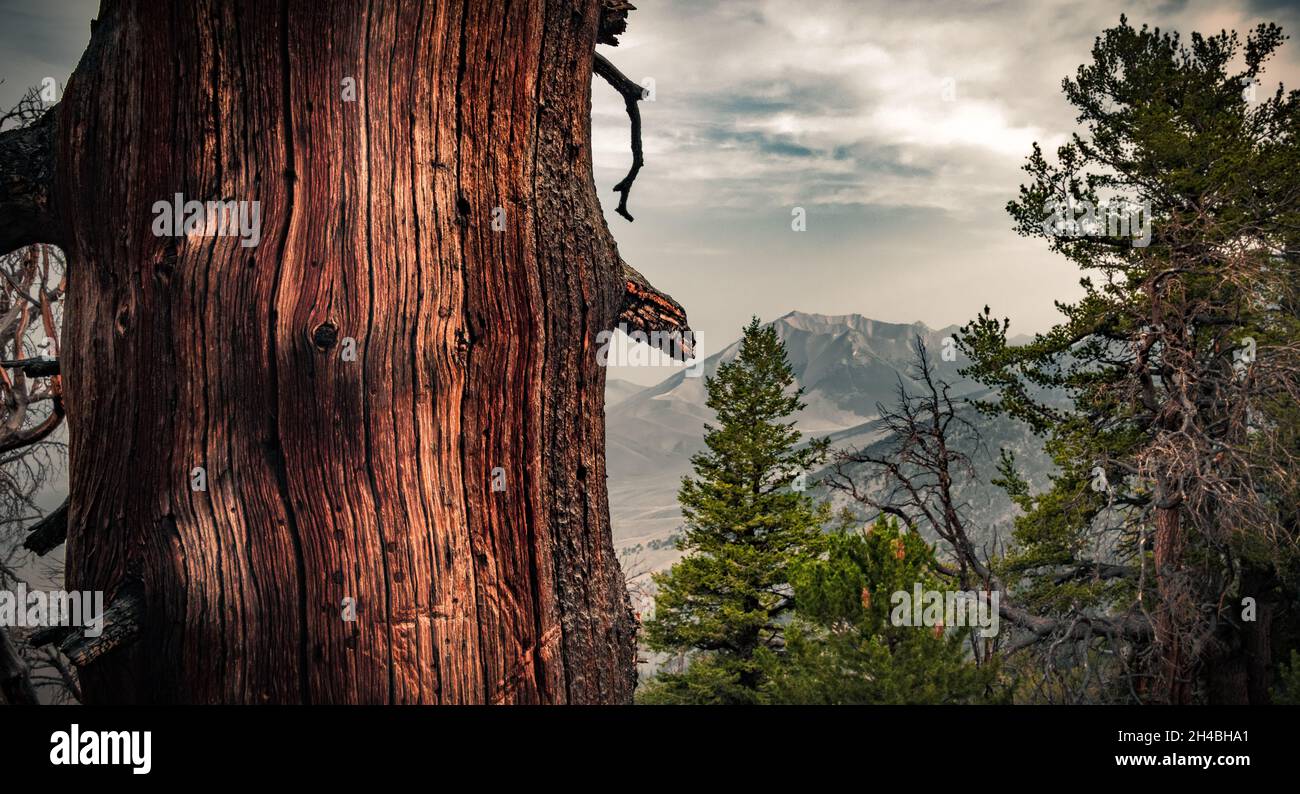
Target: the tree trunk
(350, 545)
(1241, 672)
(16, 687)
(1175, 668)
(1259, 655)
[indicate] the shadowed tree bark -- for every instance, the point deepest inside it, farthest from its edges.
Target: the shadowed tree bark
(15, 678)
(393, 397)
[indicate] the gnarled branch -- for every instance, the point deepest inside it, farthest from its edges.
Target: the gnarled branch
(613, 21)
(122, 623)
(38, 433)
(645, 308)
(39, 367)
(45, 535)
(1130, 627)
(632, 93)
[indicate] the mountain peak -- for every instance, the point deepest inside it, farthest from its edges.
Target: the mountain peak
(829, 323)
(848, 366)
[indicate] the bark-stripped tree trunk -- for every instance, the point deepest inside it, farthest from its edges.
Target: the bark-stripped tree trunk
(331, 479)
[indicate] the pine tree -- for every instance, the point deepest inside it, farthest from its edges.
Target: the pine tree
(747, 521)
(844, 647)
(1177, 453)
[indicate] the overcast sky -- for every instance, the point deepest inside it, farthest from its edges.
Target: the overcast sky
(841, 108)
(900, 127)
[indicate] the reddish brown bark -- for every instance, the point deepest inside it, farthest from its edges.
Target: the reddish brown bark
(330, 479)
(1176, 673)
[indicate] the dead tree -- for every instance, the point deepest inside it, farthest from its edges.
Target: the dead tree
(363, 459)
(31, 288)
(914, 478)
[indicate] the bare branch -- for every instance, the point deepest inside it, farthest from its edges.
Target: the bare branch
(1131, 627)
(39, 367)
(613, 21)
(67, 675)
(632, 93)
(645, 308)
(46, 535)
(123, 621)
(38, 433)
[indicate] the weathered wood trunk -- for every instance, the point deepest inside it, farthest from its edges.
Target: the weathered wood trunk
(1240, 671)
(15, 679)
(331, 481)
(1176, 669)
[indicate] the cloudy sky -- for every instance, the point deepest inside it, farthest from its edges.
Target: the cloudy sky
(899, 127)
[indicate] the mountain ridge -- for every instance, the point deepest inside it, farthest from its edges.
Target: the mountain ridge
(848, 365)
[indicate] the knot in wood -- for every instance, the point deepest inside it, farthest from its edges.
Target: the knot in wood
(325, 336)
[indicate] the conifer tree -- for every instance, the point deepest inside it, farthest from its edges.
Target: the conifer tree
(747, 521)
(1174, 501)
(845, 646)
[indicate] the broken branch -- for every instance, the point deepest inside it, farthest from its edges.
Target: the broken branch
(26, 181)
(34, 367)
(646, 309)
(45, 535)
(613, 21)
(632, 93)
(122, 622)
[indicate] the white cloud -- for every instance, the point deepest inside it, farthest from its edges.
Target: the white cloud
(840, 106)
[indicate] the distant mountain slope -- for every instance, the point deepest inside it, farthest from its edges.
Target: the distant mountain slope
(617, 390)
(846, 364)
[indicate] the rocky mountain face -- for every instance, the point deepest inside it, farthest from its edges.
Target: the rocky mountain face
(848, 366)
